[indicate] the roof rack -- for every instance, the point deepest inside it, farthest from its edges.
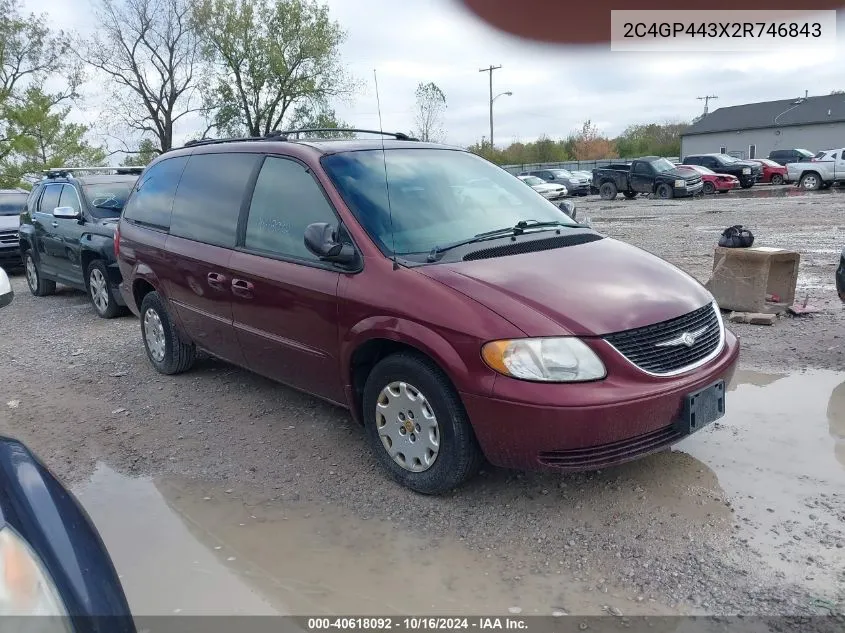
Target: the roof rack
(62, 172)
(284, 135)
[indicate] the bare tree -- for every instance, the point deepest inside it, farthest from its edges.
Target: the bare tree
(150, 50)
(431, 104)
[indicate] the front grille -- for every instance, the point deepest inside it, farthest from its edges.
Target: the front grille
(8, 237)
(612, 453)
(517, 248)
(692, 182)
(642, 346)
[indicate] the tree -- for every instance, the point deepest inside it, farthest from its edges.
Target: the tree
(431, 104)
(149, 50)
(144, 155)
(268, 57)
(306, 118)
(837, 92)
(651, 139)
(591, 145)
(29, 53)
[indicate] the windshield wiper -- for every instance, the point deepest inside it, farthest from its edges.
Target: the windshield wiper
(518, 229)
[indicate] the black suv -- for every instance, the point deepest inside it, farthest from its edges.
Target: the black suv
(67, 233)
(747, 172)
(784, 156)
(12, 204)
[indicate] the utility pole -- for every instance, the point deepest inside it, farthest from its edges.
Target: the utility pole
(490, 70)
(706, 101)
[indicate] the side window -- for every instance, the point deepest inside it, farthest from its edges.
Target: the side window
(152, 197)
(834, 155)
(286, 200)
(70, 198)
(641, 168)
(50, 199)
(32, 201)
(209, 197)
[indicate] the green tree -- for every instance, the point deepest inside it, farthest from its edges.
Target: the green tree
(306, 117)
(144, 155)
(430, 106)
(149, 51)
(50, 140)
(30, 53)
(268, 57)
(651, 139)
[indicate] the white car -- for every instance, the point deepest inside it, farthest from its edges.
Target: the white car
(546, 189)
(826, 168)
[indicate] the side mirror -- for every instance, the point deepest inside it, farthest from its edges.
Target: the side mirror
(321, 239)
(6, 292)
(66, 213)
(568, 207)
(61, 566)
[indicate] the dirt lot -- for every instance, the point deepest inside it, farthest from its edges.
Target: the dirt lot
(747, 516)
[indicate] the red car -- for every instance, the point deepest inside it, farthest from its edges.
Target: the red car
(773, 172)
(713, 182)
(455, 313)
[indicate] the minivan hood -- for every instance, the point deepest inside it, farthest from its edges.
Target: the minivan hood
(8, 222)
(590, 289)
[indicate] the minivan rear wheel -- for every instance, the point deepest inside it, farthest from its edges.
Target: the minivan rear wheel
(165, 349)
(417, 426)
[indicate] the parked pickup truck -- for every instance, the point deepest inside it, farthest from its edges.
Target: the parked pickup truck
(826, 168)
(67, 233)
(650, 174)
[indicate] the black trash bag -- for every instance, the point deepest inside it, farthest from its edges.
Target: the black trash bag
(736, 237)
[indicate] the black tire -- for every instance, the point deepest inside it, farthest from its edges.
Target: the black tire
(38, 286)
(709, 188)
(664, 191)
(459, 456)
(105, 305)
(608, 191)
(746, 184)
(811, 181)
(629, 195)
(178, 356)
(776, 179)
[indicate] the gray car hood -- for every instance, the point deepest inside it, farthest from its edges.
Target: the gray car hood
(9, 222)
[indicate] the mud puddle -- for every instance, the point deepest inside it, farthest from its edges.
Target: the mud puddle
(185, 548)
(779, 455)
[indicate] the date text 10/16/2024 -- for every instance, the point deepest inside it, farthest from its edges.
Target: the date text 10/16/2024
(416, 623)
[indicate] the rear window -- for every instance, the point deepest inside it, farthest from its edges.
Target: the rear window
(152, 197)
(820, 155)
(107, 199)
(209, 198)
(12, 203)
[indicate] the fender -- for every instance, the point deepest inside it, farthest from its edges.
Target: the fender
(406, 332)
(26, 239)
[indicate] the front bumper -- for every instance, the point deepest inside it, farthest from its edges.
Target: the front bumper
(585, 426)
(10, 257)
(693, 190)
(581, 190)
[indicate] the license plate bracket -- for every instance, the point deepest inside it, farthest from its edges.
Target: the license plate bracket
(702, 407)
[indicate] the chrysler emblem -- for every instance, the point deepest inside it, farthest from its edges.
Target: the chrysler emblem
(687, 338)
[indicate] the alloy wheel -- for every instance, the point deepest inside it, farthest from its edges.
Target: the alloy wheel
(154, 335)
(99, 290)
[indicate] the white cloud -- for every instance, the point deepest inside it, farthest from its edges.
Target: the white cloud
(555, 88)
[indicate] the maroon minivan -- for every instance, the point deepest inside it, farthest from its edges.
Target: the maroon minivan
(454, 311)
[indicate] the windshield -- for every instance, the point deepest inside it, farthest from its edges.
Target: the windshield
(727, 158)
(437, 197)
(533, 180)
(662, 164)
(12, 203)
(697, 168)
(561, 173)
(107, 199)
(805, 152)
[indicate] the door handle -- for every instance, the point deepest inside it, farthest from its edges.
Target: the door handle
(55, 225)
(242, 288)
(216, 280)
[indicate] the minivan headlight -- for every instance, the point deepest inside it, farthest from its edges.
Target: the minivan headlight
(556, 359)
(25, 585)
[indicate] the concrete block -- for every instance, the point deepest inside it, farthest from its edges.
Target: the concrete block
(754, 318)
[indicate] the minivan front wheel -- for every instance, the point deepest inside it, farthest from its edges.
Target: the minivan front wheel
(416, 425)
(165, 349)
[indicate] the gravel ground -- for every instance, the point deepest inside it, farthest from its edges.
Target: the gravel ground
(662, 529)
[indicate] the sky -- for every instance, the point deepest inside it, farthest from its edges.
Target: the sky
(555, 88)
